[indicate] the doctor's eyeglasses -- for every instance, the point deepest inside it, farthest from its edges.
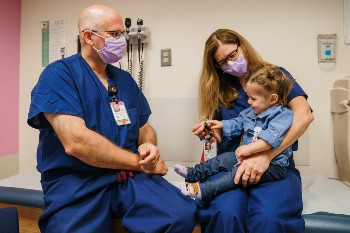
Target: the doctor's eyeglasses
(116, 33)
(231, 57)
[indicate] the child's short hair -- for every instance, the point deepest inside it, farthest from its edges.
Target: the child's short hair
(274, 81)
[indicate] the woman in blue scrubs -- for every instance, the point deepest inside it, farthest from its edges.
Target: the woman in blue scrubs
(97, 154)
(273, 207)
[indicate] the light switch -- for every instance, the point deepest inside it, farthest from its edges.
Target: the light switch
(165, 56)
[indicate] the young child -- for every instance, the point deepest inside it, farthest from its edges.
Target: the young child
(263, 126)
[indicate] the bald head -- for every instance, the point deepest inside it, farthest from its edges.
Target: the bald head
(99, 17)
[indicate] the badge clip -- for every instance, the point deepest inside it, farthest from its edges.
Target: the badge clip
(113, 91)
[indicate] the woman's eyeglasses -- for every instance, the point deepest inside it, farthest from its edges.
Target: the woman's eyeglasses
(231, 57)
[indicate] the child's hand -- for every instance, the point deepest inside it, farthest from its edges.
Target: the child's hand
(243, 150)
(213, 124)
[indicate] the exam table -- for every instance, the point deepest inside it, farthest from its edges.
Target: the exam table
(326, 202)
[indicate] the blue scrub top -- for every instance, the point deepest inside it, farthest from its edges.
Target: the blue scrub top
(69, 86)
(231, 143)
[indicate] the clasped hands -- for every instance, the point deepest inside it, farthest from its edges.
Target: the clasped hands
(150, 160)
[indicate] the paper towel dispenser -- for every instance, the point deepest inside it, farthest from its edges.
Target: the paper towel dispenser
(340, 105)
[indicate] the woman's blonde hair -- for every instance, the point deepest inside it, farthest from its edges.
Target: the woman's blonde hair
(218, 90)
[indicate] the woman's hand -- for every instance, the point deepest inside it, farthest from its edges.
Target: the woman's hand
(252, 168)
(199, 130)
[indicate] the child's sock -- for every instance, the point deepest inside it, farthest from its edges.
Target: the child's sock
(181, 170)
(191, 190)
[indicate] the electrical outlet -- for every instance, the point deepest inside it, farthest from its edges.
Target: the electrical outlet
(165, 56)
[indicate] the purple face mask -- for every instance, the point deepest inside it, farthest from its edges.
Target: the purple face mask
(113, 51)
(237, 67)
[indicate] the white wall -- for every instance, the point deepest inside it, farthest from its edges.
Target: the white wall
(284, 32)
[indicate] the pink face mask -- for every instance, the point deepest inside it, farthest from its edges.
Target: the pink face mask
(113, 51)
(237, 67)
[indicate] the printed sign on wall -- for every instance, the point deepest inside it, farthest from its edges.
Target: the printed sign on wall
(53, 40)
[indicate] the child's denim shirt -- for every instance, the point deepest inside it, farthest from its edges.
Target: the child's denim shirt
(270, 125)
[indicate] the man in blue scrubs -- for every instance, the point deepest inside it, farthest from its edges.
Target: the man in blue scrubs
(97, 154)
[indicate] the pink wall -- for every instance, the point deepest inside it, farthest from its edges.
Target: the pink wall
(10, 24)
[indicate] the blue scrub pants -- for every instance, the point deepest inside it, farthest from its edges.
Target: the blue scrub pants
(78, 203)
(273, 207)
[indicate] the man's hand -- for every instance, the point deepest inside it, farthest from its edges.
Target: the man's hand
(149, 156)
(160, 169)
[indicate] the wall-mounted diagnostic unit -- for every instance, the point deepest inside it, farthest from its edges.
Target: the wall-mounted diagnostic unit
(136, 36)
(327, 48)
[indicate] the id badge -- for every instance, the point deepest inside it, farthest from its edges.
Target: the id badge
(210, 148)
(120, 113)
